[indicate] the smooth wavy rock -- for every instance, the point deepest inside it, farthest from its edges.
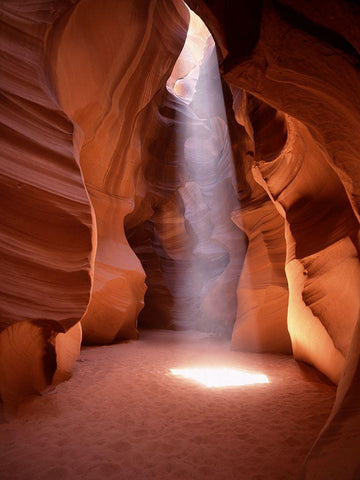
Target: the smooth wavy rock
(304, 61)
(104, 82)
(321, 238)
(262, 293)
(45, 211)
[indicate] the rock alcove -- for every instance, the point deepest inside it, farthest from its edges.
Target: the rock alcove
(96, 128)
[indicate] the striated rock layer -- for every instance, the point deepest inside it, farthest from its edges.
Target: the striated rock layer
(261, 321)
(302, 60)
(321, 231)
(103, 83)
(45, 212)
(87, 118)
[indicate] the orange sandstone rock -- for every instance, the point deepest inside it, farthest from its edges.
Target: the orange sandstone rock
(45, 211)
(104, 82)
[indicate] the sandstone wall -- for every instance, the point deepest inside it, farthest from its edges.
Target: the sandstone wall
(105, 75)
(45, 212)
(302, 59)
(85, 108)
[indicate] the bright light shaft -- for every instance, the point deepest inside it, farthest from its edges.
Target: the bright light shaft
(220, 377)
(208, 188)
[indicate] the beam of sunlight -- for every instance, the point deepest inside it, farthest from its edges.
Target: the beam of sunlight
(204, 281)
(220, 377)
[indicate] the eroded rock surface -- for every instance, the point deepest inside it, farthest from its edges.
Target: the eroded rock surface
(103, 83)
(45, 211)
(92, 153)
(303, 60)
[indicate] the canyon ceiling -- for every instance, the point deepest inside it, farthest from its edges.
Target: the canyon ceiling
(96, 197)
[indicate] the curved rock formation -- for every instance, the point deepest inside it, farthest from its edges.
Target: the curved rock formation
(303, 60)
(261, 323)
(46, 215)
(69, 92)
(103, 83)
(321, 238)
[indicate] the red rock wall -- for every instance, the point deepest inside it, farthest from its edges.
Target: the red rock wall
(67, 89)
(104, 82)
(261, 322)
(45, 212)
(302, 59)
(321, 231)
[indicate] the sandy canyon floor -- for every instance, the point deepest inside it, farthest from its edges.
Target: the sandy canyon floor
(126, 415)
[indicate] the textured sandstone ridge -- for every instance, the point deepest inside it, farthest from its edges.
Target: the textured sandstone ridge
(45, 211)
(104, 82)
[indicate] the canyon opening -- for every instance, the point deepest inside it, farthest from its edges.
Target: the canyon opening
(180, 240)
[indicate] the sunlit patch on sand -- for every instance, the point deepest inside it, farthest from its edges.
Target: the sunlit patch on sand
(220, 377)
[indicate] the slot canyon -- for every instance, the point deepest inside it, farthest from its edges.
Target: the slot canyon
(180, 275)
